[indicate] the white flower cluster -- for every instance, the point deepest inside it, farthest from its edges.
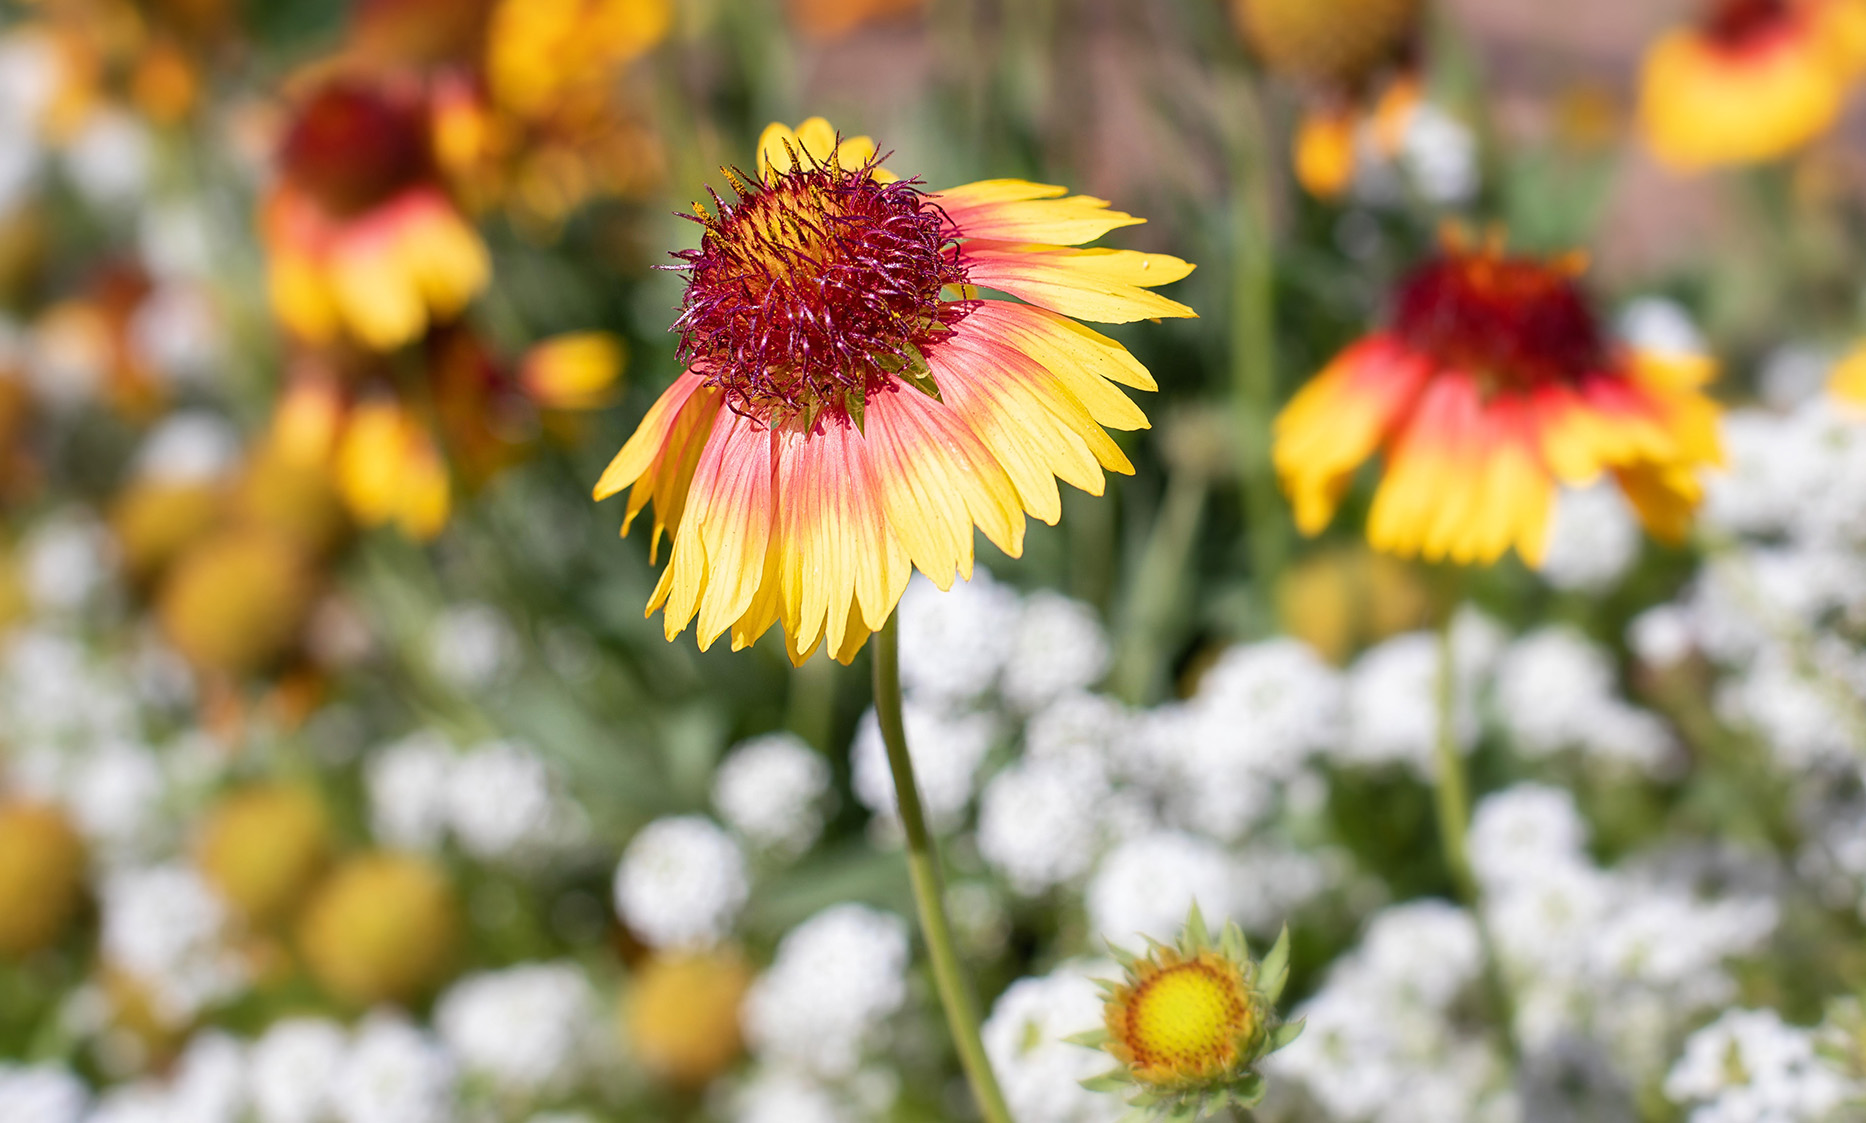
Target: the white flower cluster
(500, 801)
(526, 1030)
(1041, 1073)
(165, 927)
(681, 883)
(1380, 1044)
(1617, 957)
(1749, 1066)
(824, 1003)
(774, 791)
(981, 637)
(1555, 692)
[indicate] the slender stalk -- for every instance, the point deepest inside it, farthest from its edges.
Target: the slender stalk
(1253, 334)
(1156, 598)
(1452, 797)
(929, 892)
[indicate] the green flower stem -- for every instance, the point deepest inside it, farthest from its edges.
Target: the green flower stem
(1253, 334)
(1452, 796)
(1156, 599)
(929, 892)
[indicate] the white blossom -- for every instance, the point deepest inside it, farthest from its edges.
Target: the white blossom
(681, 882)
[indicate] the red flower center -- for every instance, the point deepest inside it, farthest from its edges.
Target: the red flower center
(353, 147)
(1516, 323)
(813, 290)
(1738, 24)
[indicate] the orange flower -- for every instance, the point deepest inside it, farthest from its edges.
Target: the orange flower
(363, 240)
(1751, 81)
(1493, 382)
(851, 409)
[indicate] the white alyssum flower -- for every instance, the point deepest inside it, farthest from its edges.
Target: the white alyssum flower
(525, 1029)
(1038, 821)
(408, 789)
(1749, 1066)
(946, 749)
(1041, 1072)
(1059, 647)
(115, 792)
(142, 1101)
(43, 1093)
(773, 790)
(109, 160)
(681, 883)
(1392, 705)
(394, 1073)
(68, 561)
(1792, 374)
(1378, 1042)
(292, 1068)
(504, 804)
(210, 1083)
(1521, 831)
(177, 331)
(955, 643)
(1077, 726)
(835, 981)
(472, 646)
(777, 1094)
(191, 446)
(1661, 326)
(1147, 885)
(1593, 540)
(1279, 696)
(166, 927)
(1555, 690)
(1663, 636)
(53, 693)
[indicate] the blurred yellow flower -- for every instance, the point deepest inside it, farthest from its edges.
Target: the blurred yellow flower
(576, 371)
(362, 241)
(682, 1014)
(832, 19)
(382, 928)
(389, 470)
(235, 603)
(1751, 81)
(262, 848)
(41, 877)
(851, 409)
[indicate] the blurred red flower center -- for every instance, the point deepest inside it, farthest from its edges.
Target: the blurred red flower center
(1736, 24)
(353, 148)
(814, 289)
(1515, 323)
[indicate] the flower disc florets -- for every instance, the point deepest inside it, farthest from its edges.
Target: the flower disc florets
(816, 287)
(1189, 1023)
(1514, 323)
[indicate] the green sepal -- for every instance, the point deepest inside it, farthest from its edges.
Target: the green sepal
(1115, 1081)
(1198, 937)
(1088, 1038)
(1284, 1034)
(1233, 944)
(1249, 1092)
(855, 401)
(1273, 973)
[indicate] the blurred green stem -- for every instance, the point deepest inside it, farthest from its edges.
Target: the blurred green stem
(1253, 336)
(1158, 589)
(1453, 800)
(813, 701)
(929, 891)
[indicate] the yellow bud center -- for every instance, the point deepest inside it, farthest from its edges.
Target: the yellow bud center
(1186, 1020)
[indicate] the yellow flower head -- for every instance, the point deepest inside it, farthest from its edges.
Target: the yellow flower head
(1751, 81)
(1190, 1022)
(682, 1014)
(852, 408)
